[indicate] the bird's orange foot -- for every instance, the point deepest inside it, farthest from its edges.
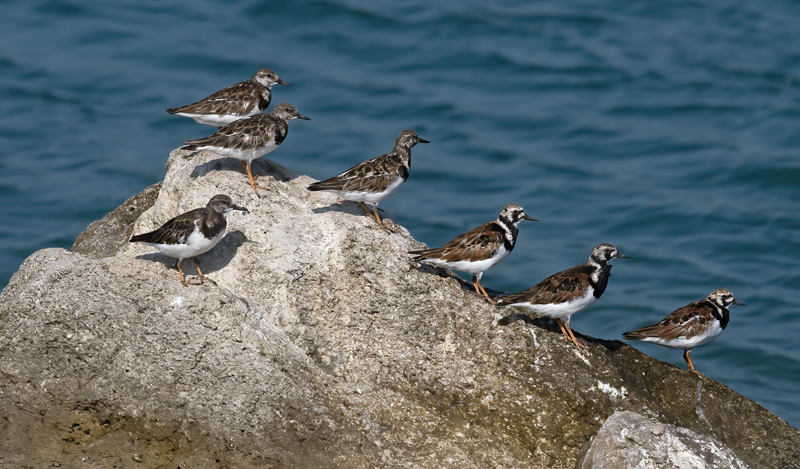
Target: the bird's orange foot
(384, 227)
(579, 345)
(204, 279)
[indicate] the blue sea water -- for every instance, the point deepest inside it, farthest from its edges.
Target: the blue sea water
(669, 129)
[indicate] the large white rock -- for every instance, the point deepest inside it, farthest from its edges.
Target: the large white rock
(322, 345)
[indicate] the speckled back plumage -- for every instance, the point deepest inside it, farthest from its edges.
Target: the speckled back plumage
(478, 243)
(250, 133)
(482, 242)
(691, 320)
(376, 174)
(210, 220)
(571, 283)
(244, 134)
(561, 287)
(177, 229)
(239, 99)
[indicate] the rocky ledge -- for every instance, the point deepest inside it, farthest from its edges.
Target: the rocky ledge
(322, 345)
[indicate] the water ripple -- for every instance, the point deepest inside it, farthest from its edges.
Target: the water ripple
(668, 129)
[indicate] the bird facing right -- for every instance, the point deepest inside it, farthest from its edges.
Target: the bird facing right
(571, 291)
(691, 326)
(243, 99)
(480, 248)
(192, 233)
(249, 138)
(373, 180)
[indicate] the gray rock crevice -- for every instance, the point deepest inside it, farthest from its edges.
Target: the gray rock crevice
(322, 345)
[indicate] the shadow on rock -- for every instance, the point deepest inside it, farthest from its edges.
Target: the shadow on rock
(550, 325)
(169, 262)
(441, 272)
(223, 253)
(353, 208)
(540, 321)
(447, 273)
(344, 206)
(259, 167)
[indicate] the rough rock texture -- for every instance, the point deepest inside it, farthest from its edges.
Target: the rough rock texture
(107, 236)
(628, 439)
(321, 346)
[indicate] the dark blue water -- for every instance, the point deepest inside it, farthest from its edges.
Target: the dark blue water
(669, 129)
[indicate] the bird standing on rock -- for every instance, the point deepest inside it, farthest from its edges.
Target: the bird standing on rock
(479, 249)
(192, 233)
(571, 291)
(373, 180)
(249, 138)
(691, 326)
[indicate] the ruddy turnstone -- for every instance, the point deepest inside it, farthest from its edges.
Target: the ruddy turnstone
(373, 180)
(693, 325)
(192, 233)
(561, 295)
(480, 248)
(249, 138)
(234, 102)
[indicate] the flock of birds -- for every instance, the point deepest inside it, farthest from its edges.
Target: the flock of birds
(246, 133)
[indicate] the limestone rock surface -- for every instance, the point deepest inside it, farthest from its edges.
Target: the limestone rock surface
(628, 439)
(322, 345)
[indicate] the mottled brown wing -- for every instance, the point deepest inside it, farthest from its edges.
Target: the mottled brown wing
(171, 231)
(373, 175)
(239, 99)
(475, 245)
(244, 134)
(686, 322)
(555, 289)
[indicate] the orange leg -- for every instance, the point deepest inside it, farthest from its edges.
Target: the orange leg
(689, 361)
(374, 215)
(476, 282)
(380, 223)
(203, 278)
(563, 331)
(184, 282)
(574, 340)
(366, 209)
(252, 179)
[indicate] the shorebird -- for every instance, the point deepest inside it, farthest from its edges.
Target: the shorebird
(373, 180)
(249, 138)
(571, 291)
(479, 249)
(691, 326)
(243, 99)
(192, 233)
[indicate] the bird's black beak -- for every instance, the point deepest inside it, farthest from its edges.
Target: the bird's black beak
(422, 140)
(281, 82)
(528, 217)
(737, 303)
(621, 256)
(241, 209)
(300, 116)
